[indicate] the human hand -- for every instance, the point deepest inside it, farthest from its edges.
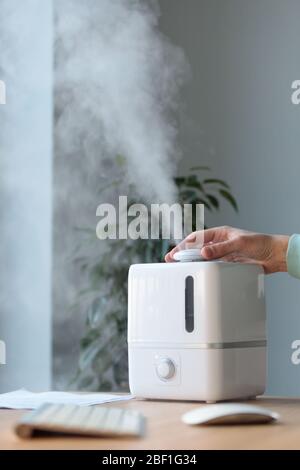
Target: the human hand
(235, 245)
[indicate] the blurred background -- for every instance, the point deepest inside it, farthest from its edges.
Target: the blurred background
(128, 97)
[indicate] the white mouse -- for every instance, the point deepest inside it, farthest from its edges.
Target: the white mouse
(188, 255)
(230, 413)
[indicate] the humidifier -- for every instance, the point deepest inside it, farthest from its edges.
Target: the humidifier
(196, 330)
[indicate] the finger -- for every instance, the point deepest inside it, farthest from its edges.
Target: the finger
(169, 258)
(181, 246)
(216, 234)
(196, 239)
(219, 250)
(210, 235)
(200, 238)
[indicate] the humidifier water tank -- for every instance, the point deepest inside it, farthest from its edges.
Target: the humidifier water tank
(196, 331)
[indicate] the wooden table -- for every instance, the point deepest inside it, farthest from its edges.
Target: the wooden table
(166, 431)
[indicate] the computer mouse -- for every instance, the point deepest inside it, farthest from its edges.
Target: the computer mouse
(230, 413)
(188, 255)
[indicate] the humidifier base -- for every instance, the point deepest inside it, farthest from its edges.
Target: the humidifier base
(209, 375)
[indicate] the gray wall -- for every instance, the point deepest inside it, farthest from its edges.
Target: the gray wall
(244, 57)
(25, 193)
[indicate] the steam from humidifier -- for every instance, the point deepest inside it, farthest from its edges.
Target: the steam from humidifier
(118, 79)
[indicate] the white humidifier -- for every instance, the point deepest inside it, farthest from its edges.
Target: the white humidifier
(196, 330)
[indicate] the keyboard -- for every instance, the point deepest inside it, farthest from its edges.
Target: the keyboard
(79, 420)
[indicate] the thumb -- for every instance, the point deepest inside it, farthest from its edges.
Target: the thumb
(218, 250)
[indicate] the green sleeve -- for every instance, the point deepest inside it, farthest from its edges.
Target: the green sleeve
(293, 256)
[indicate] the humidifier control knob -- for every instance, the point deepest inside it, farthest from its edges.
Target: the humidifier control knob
(165, 368)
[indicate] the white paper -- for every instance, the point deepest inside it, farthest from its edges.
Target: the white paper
(23, 399)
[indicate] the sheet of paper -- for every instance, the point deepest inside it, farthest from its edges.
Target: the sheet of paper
(23, 399)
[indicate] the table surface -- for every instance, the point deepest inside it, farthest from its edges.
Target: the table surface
(166, 431)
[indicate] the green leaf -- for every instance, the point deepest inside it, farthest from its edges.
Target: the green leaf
(179, 180)
(201, 201)
(229, 198)
(87, 355)
(90, 337)
(213, 200)
(187, 194)
(216, 181)
(86, 383)
(120, 160)
(193, 182)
